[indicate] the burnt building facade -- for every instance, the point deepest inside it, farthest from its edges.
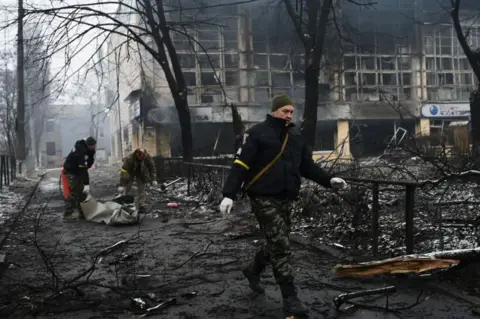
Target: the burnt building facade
(393, 65)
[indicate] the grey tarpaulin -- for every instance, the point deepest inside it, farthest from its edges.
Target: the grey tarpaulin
(109, 212)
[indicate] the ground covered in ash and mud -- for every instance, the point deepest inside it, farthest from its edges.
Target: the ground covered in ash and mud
(183, 261)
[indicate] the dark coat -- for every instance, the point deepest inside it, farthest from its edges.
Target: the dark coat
(79, 161)
(262, 142)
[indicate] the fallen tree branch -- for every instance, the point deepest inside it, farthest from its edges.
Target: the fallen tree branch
(340, 299)
(197, 254)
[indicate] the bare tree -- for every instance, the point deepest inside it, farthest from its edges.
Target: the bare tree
(8, 93)
(473, 56)
(312, 22)
(151, 30)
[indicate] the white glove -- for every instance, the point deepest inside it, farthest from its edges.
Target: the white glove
(86, 189)
(338, 183)
(121, 190)
(226, 205)
(154, 183)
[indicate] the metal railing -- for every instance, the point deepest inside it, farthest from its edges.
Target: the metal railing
(207, 179)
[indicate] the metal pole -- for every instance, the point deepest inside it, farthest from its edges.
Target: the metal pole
(409, 212)
(20, 123)
(375, 214)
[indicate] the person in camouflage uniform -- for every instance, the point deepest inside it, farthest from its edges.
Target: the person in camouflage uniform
(140, 167)
(75, 169)
(270, 162)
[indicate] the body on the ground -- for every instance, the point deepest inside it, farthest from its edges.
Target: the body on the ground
(138, 167)
(75, 169)
(270, 163)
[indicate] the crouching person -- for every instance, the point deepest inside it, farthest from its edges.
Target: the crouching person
(137, 167)
(270, 163)
(75, 168)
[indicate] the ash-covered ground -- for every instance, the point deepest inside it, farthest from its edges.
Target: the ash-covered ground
(187, 259)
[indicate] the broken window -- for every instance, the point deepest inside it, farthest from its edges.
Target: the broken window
(230, 41)
(387, 63)
(187, 60)
(349, 63)
(466, 79)
(208, 40)
(211, 96)
(280, 62)
(190, 78)
(231, 78)
(281, 79)
(260, 61)
(231, 61)
(208, 78)
(405, 79)
(430, 64)
(367, 63)
(404, 63)
(350, 78)
(209, 61)
(369, 79)
(407, 94)
(389, 79)
(462, 64)
(261, 78)
(446, 64)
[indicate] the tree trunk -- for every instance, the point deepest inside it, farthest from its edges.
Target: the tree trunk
(309, 123)
(186, 127)
(475, 124)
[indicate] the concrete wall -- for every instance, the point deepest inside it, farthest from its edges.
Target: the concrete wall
(70, 123)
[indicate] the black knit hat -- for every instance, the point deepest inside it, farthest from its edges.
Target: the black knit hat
(280, 100)
(90, 141)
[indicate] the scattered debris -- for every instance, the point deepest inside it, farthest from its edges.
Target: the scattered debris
(340, 299)
(172, 301)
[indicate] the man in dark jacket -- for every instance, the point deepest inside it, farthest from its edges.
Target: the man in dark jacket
(270, 163)
(75, 168)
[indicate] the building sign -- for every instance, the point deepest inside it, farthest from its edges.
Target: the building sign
(445, 110)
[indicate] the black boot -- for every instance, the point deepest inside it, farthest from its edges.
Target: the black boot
(253, 270)
(253, 280)
(292, 306)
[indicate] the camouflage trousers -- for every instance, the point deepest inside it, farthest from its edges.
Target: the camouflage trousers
(274, 218)
(140, 196)
(76, 196)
